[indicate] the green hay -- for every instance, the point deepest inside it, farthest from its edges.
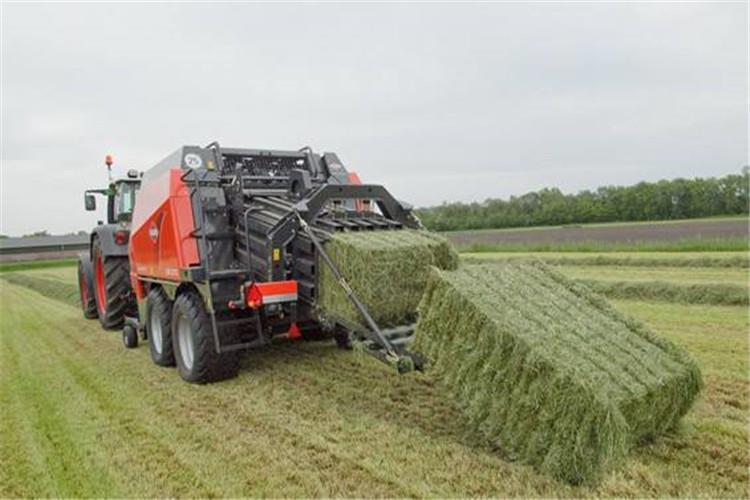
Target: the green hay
(711, 293)
(547, 370)
(54, 289)
(388, 270)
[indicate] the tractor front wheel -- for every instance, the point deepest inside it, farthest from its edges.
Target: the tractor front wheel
(111, 287)
(194, 347)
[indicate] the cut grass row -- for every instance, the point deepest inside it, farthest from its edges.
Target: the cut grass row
(703, 293)
(60, 290)
(718, 285)
(679, 275)
(66, 274)
(728, 244)
(689, 285)
(82, 416)
(35, 264)
(639, 259)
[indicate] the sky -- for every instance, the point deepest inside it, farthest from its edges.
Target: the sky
(438, 102)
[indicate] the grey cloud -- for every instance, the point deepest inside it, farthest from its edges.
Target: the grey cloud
(438, 102)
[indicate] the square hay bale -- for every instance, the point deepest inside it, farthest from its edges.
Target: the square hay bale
(387, 269)
(549, 371)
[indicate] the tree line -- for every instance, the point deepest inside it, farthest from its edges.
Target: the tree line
(662, 200)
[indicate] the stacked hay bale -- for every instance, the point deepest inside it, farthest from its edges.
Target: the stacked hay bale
(388, 270)
(548, 371)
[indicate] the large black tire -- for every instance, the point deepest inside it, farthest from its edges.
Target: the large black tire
(86, 287)
(194, 347)
(112, 287)
(159, 327)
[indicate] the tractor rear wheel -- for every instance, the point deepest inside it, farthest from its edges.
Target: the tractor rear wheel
(159, 327)
(194, 347)
(111, 287)
(86, 288)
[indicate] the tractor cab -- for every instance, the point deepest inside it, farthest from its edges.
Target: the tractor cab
(120, 198)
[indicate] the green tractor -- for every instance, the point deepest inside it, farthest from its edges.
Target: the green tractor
(103, 271)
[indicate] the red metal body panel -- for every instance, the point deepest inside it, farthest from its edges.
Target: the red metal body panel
(161, 241)
(271, 292)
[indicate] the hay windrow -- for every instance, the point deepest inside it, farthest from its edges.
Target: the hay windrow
(66, 293)
(712, 261)
(697, 293)
(387, 269)
(547, 370)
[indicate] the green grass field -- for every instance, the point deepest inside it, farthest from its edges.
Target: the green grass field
(80, 415)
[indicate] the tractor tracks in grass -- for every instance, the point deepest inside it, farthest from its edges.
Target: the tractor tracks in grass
(175, 435)
(281, 426)
(101, 416)
(48, 442)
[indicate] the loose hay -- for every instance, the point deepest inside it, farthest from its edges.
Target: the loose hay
(548, 371)
(388, 270)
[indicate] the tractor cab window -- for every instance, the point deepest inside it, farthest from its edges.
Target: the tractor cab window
(124, 199)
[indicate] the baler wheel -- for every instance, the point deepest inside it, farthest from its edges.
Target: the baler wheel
(343, 338)
(129, 336)
(86, 288)
(111, 287)
(194, 347)
(159, 327)
(312, 332)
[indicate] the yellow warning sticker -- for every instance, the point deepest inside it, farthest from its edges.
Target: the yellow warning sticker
(276, 254)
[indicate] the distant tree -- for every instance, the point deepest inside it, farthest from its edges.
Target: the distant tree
(37, 233)
(662, 200)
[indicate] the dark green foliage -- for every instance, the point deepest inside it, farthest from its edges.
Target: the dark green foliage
(663, 200)
(703, 293)
(547, 370)
(54, 289)
(388, 270)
